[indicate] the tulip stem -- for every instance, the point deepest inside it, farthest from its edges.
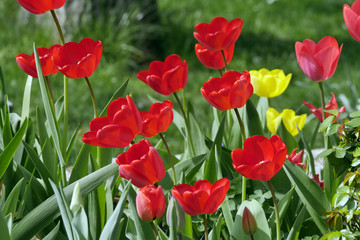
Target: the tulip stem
(224, 58)
(322, 99)
(221, 73)
(92, 96)
(276, 211)
(170, 156)
(186, 122)
(58, 26)
(154, 229)
(50, 91)
(206, 228)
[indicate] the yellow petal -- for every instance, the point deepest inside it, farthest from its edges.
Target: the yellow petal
(290, 121)
(273, 119)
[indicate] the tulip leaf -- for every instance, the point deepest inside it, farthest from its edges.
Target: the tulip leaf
(71, 143)
(287, 138)
(25, 110)
(111, 229)
(197, 136)
(310, 194)
(308, 150)
(119, 92)
(263, 230)
(47, 211)
(13, 198)
(261, 108)
(215, 232)
(227, 214)
(80, 168)
(295, 229)
(253, 121)
(53, 234)
(4, 230)
(9, 151)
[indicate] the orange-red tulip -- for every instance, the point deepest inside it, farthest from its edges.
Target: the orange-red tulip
(142, 164)
(27, 62)
(211, 59)
(78, 60)
(318, 60)
(41, 6)
(232, 90)
(150, 202)
(352, 19)
(201, 198)
(219, 34)
(166, 77)
(261, 158)
(116, 130)
(158, 119)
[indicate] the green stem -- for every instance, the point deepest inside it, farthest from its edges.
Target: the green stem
(63, 175)
(206, 228)
(223, 54)
(322, 99)
(186, 122)
(269, 101)
(92, 97)
(50, 91)
(154, 229)
(276, 211)
(58, 26)
(170, 156)
(221, 73)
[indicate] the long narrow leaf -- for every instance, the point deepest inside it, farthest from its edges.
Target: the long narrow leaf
(295, 229)
(117, 94)
(25, 110)
(5, 235)
(53, 234)
(12, 200)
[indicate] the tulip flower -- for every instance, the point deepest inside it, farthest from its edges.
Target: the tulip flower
(150, 202)
(158, 119)
(232, 90)
(290, 120)
(213, 60)
(201, 198)
(318, 60)
(332, 105)
(27, 62)
(296, 158)
(41, 6)
(273, 120)
(116, 130)
(219, 34)
(269, 83)
(261, 158)
(352, 19)
(78, 60)
(142, 164)
(166, 77)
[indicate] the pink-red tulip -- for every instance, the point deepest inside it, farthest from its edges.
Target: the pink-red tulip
(318, 60)
(158, 119)
(201, 198)
(142, 164)
(232, 90)
(261, 158)
(116, 130)
(214, 60)
(78, 60)
(27, 62)
(332, 105)
(166, 77)
(352, 19)
(150, 202)
(41, 6)
(219, 34)
(296, 158)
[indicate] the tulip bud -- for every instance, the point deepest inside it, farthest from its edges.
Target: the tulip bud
(76, 200)
(248, 222)
(150, 202)
(175, 213)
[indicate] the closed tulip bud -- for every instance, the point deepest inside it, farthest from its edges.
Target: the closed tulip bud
(150, 202)
(175, 213)
(248, 222)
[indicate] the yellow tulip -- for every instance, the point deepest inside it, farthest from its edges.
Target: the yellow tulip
(269, 83)
(290, 120)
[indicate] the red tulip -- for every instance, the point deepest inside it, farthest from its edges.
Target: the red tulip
(318, 181)
(27, 62)
(166, 77)
(232, 90)
(352, 19)
(219, 34)
(150, 202)
(203, 197)
(158, 119)
(78, 60)
(261, 158)
(121, 125)
(211, 59)
(330, 106)
(142, 164)
(318, 61)
(296, 158)
(41, 6)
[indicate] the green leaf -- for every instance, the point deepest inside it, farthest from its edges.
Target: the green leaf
(324, 154)
(71, 143)
(354, 122)
(2, 79)
(355, 114)
(261, 108)
(10, 149)
(310, 194)
(263, 230)
(47, 211)
(13, 198)
(4, 228)
(227, 215)
(111, 229)
(287, 138)
(332, 129)
(25, 110)
(308, 150)
(80, 168)
(215, 232)
(254, 124)
(197, 136)
(325, 124)
(53, 234)
(120, 92)
(295, 229)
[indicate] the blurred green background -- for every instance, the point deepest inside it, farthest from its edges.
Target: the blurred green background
(136, 32)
